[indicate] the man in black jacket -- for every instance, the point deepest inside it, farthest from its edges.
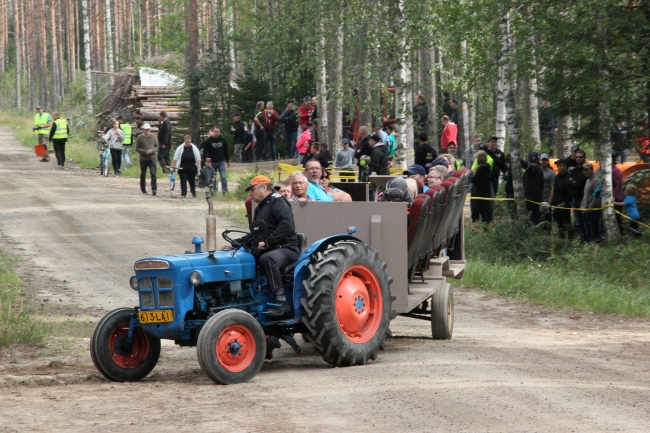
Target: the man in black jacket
(562, 198)
(578, 191)
(215, 147)
(424, 153)
(378, 158)
(533, 185)
(363, 147)
(277, 247)
(498, 167)
(290, 128)
(238, 130)
(164, 141)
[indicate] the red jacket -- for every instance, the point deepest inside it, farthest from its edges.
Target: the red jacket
(303, 142)
(305, 114)
(449, 134)
(271, 120)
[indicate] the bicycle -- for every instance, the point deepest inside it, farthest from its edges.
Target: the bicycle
(104, 155)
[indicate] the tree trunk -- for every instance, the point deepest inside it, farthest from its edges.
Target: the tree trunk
(41, 22)
(192, 58)
(433, 99)
(563, 136)
(533, 113)
(404, 97)
(54, 65)
(501, 107)
(512, 121)
(321, 89)
(87, 53)
(269, 53)
(604, 140)
(337, 106)
(109, 42)
(17, 39)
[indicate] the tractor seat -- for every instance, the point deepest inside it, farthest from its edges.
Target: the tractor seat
(302, 246)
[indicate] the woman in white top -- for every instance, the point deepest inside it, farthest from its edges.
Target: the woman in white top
(188, 159)
(114, 138)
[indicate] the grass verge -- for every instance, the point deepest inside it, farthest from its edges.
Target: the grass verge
(514, 260)
(17, 323)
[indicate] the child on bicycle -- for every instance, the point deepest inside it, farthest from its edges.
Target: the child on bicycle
(208, 176)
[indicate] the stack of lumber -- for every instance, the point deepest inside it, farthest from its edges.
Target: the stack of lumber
(149, 101)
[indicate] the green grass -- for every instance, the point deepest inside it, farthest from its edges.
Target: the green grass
(17, 323)
(514, 260)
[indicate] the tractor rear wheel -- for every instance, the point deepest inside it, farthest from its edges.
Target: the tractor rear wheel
(116, 357)
(347, 304)
(231, 347)
(442, 313)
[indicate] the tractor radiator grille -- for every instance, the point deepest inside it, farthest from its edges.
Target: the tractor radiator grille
(146, 300)
(163, 286)
(165, 292)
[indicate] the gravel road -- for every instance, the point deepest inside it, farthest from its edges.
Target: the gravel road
(511, 367)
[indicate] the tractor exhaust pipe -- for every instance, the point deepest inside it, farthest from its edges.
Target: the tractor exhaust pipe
(210, 225)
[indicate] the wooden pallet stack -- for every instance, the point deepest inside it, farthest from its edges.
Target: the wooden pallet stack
(149, 101)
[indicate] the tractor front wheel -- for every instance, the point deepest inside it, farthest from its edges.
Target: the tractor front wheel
(118, 357)
(231, 347)
(442, 313)
(348, 303)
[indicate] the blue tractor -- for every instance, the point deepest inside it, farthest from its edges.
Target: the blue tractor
(338, 289)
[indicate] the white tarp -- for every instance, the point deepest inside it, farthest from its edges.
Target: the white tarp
(156, 77)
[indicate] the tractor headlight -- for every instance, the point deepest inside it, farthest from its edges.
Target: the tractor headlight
(195, 278)
(134, 282)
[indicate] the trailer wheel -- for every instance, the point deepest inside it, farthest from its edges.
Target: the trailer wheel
(347, 303)
(442, 313)
(231, 347)
(114, 356)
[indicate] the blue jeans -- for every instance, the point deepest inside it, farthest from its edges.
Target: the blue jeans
(292, 139)
(221, 168)
(270, 145)
(578, 221)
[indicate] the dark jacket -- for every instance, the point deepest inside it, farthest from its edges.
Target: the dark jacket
(165, 133)
(239, 133)
(481, 183)
(424, 154)
(421, 116)
(498, 162)
(215, 148)
(275, 211)
(579, 182)
(379, 160)
(325, 158)
(446, 107)
(289, 120)
(363, 149)
(562, 190)
(533, 181)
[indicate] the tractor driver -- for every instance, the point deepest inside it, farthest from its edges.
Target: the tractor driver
(278, 247)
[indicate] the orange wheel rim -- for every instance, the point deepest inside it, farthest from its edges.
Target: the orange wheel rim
(235, 348)
(125, 355)
(359, 304)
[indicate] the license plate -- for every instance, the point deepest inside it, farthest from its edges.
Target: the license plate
(156, 316)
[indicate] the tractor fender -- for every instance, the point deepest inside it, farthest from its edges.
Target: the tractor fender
(301, 271)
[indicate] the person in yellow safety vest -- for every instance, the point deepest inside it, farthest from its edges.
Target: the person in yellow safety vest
(126, 142)
(59, 135)
(42, 124)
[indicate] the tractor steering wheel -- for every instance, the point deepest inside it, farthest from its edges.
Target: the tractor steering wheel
(232, 241)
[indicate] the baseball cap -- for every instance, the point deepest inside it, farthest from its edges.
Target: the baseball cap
(374, 136)
(258, 180)
(543, 156)
(345, 140)
(146, 126)
(494, 137)
(575, 147)
(277, 186)
(455, 101)
(119, 117)
(561, 161)
(40, 107)
(415, 169)
(533, 155)
(438, 161)
(236, 114)
(306, 98)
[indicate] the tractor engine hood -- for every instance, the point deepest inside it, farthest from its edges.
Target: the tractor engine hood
(222, 266)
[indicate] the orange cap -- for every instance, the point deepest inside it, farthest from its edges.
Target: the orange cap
(258, 180)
